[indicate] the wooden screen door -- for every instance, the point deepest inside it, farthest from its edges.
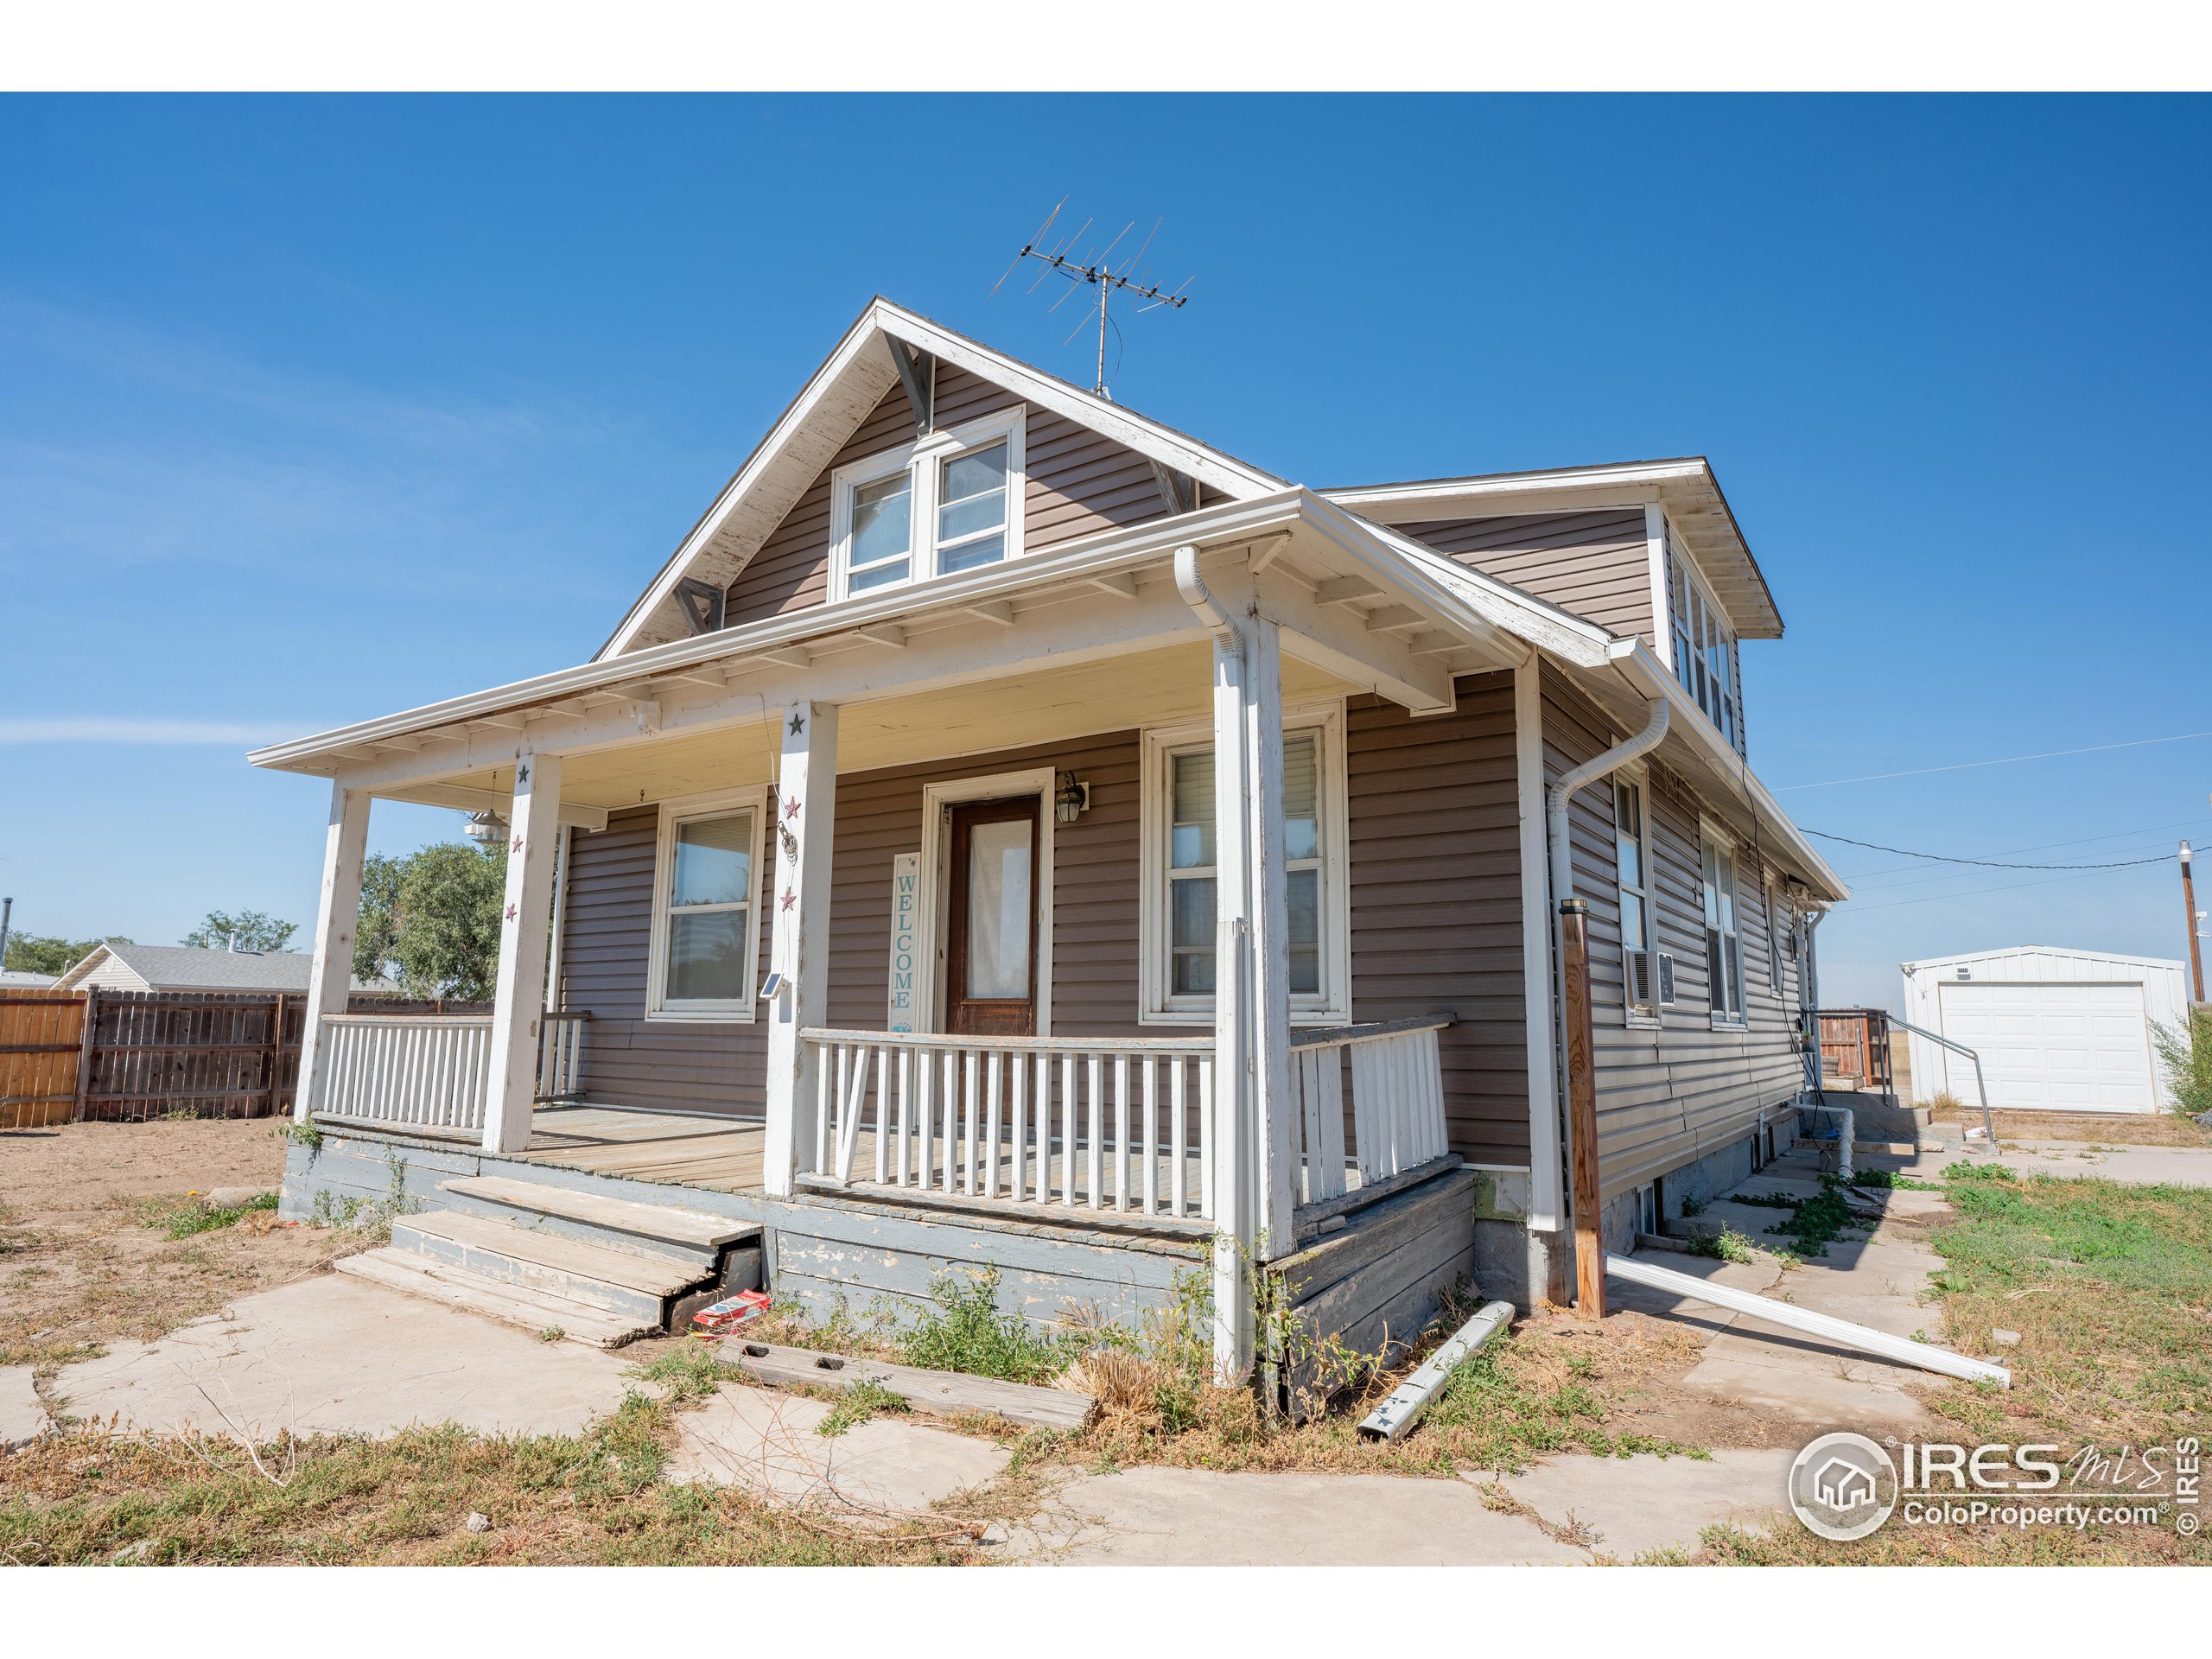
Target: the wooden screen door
(991, 961)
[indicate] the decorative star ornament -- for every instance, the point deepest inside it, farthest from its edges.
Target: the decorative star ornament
(522, 774)
(799, 722)
(511, 913)
(790, 807)
(517, 847)
(789, 897)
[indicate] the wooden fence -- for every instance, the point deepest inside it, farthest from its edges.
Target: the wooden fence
(126, 1056)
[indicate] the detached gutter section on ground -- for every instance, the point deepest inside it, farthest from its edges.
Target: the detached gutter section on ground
(1903, 1349)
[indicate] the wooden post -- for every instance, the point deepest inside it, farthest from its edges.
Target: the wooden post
(518, 1006)
(805, 810)
(338, 914)
(2188, 916)
(84, 1042)
(1274, 1142)
(1582, 1108)
(277, 1056)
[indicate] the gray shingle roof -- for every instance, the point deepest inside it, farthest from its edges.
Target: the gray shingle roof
(187, 968)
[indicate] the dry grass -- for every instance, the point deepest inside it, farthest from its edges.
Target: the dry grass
(2079, 1128)
(2109, 1287)
(86, 1257)
(596, 1498)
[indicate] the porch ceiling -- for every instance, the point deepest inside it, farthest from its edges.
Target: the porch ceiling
(1150, 688)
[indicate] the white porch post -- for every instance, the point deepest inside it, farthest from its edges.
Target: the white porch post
(338, 915)
(805, 808)
(525, 934)
(1252, 1194)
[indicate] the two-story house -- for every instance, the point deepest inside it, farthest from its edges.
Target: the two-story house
(1008, 831)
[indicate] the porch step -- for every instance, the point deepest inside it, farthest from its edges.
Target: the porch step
(668, 1231)
(620, 1281)
(516, 1305)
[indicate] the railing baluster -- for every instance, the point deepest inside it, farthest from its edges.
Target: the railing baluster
(1122, 1132)
(882, 1113)
(1018, 1125)
(906, 1107)
(1149, 1142)
(1178, 1136)
(992, 1064)
(951, 1114)
(1094, 1168)
(1070, 1132)
(1044, 1128)
(1206, 1136)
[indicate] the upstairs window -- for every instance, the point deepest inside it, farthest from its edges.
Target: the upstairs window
(1704, 648)
(1632, 862)
(1723, 944)
(948, 504)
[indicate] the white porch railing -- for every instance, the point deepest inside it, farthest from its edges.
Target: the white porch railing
(1121, 1125)
(1397, 1103)
(430, 1071)
(560, 1056)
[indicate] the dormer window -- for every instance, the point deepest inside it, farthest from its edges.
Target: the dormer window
(938, 507)
(1704, 647)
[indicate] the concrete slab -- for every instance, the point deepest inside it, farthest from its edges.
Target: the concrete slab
(22, 1414)
(337, 1355)
(1199, 1517)
(1629, 1506)
(765, 1441)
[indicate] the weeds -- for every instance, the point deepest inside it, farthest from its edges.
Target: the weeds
(370, 1216)
(308, 1134)
(856, 1404)
(1727, 1245)
(2186, 1054)
(200, 1217)
(965, 1331)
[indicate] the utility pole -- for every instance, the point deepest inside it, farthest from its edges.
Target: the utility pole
(2188, 913)
(8, 909)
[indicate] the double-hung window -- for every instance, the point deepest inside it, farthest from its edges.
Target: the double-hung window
(1724, 945)
(706, 923)
(1180, 861)
(948, 504)
(1704, 647)
(1632, 862)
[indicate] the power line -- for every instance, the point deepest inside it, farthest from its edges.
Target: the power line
(1972, 893)
(2005, 760)
(1985, 863)
(2045, 846)
(1861, 886)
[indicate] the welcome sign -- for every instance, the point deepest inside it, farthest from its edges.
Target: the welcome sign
(905, 938)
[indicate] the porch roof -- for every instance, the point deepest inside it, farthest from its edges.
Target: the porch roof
(1366, 602)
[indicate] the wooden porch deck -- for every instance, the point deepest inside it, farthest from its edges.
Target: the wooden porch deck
(721, 1155)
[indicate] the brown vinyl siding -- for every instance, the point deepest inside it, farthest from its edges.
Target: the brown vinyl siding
(1667, 1095)
(1078, 483)
(1094, 882)
(606, 944)
(1596, 564)
(1434, 817)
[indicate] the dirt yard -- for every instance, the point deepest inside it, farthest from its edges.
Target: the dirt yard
(86, 1252)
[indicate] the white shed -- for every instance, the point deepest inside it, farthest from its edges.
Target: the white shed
(2058, 1031)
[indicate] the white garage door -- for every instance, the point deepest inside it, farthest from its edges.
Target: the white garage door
(2070, 1048)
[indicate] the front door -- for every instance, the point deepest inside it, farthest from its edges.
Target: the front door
(991, 962)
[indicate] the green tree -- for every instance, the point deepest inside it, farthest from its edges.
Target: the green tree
(249, 930)
(430, 920)
(29, 953)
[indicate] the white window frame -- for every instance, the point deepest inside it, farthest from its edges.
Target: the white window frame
(923, 462)
(1634, 1013)
(679, 810)
(1685, 649)
(1712, 835)
(1332, 1006)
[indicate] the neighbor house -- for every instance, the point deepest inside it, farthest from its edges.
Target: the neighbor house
(123, 966)
(1011, 831)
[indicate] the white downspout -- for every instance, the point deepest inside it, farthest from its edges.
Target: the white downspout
(1556, 798)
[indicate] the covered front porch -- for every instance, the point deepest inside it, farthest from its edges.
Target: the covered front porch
(1043, 1071)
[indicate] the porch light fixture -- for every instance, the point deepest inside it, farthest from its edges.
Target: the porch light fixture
(1072, 799)
(484, 826)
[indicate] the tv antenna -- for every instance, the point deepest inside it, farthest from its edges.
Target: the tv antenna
(1094, 270)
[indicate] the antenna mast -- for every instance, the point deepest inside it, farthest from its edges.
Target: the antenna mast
(1094, 270)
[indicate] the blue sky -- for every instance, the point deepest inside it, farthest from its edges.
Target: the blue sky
(314, 409)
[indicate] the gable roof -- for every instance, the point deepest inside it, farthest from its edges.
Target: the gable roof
(830, 407)
(190, 968)
(1684, 484)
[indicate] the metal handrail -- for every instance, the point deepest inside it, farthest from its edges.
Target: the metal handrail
(1988, 1125)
